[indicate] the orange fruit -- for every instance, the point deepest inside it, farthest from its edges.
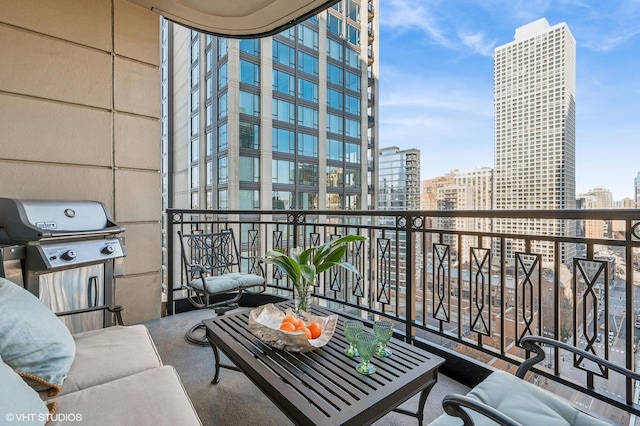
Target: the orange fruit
(290, 318)
(315, 330)
(287, 326)
(299, 323)
(306, 331)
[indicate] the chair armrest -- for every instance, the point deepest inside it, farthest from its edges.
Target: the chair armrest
(115, 309)
(453, 405)
(532, 344)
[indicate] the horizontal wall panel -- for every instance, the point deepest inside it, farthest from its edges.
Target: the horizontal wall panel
(47, 68)
(39, 130)
(136, 32)
(138, 196)
(136, 88)
(137, 142)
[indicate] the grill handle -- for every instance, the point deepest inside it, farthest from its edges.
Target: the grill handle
(92, 292)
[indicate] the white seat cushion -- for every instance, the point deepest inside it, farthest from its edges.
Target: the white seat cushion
(228, 282)
(108, 354)
(150, 398)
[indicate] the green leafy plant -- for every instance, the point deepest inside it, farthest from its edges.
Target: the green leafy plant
(303, 266)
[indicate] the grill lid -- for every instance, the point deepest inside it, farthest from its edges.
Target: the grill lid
(33, 220)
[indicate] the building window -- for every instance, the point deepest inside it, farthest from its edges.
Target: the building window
(307, 201)
(249, 135)
(307, 145)
(249, 199)
(352, 153)
(222, 105)
(353, 35)
(352, 81)
(353, 11)
(307, 63)
(283, 171)
(334, 25)
(334, 50)
(282, 200)
(308, 37)
(334, 176)
(250, 46)
(334, 201)
(249, 169)
(352, 178)
(334, 150)
(353, 105)
(249, 73)
(284, 54)
(223, 171)
(289, 33)
(283, 140)
(307, 117)
(250, 103)
(352, 202)
(334, 99)
(335, 124)
(223, 199)
(334, 74)
(308, 174)
(352, 128)
(283, 111)
(284, 83)
(307, 90)
(223, 45)
(222, 137)
(222, 76)
(353, 58)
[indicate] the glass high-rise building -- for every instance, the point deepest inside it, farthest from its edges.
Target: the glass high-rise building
(534, 101)
(281, 122)
(398, 179)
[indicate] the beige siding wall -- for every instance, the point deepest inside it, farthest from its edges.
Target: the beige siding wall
(79, 119)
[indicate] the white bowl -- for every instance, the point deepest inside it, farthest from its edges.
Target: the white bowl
(265, 321)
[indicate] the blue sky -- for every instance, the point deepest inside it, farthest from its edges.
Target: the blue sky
(436, 82)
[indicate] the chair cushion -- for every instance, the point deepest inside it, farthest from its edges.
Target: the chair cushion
(108, 354)
(35, 343)
(149, 398)
(19, 403)
(523, 402)
(228, 282)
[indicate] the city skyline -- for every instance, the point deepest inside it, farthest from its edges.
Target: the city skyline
(436, 93)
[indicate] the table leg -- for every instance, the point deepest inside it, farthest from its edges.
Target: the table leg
(216, 355)
(421, 403)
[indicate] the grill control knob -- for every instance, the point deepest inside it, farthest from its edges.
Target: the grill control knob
(109, 249)
(69, 255)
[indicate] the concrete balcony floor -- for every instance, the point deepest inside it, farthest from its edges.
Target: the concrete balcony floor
(235, 401)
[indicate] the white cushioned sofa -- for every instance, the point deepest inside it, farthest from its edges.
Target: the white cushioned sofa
(107, 376)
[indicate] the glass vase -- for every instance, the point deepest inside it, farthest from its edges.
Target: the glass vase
(302, 298)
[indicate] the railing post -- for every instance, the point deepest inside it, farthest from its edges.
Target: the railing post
(409, 275)
(170, 263)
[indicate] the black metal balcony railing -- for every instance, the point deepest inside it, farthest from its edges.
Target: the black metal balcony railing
(471, 283)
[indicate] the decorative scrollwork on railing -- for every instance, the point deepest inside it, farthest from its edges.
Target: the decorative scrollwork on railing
(384, 271)
(253, 245)
(635, 230)
(441, 282)
(589, 277)
(418, 222)
(480, 286)
(177, 218)
(277, 243)
(401, 221)
(528, 272)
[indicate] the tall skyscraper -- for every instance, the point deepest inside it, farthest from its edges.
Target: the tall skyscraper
(399, 179)
(534, 101)
(282, 122)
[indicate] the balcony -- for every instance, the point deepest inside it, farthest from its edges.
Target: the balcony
(473, 294)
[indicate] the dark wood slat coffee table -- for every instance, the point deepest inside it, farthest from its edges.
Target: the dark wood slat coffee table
(322, 387)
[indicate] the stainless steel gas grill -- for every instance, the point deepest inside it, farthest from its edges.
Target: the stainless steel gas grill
(71, 256)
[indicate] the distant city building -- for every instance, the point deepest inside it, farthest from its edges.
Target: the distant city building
(398, 179)
(458, 190)
(281, 122)
(637, 190)
(534, 98)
